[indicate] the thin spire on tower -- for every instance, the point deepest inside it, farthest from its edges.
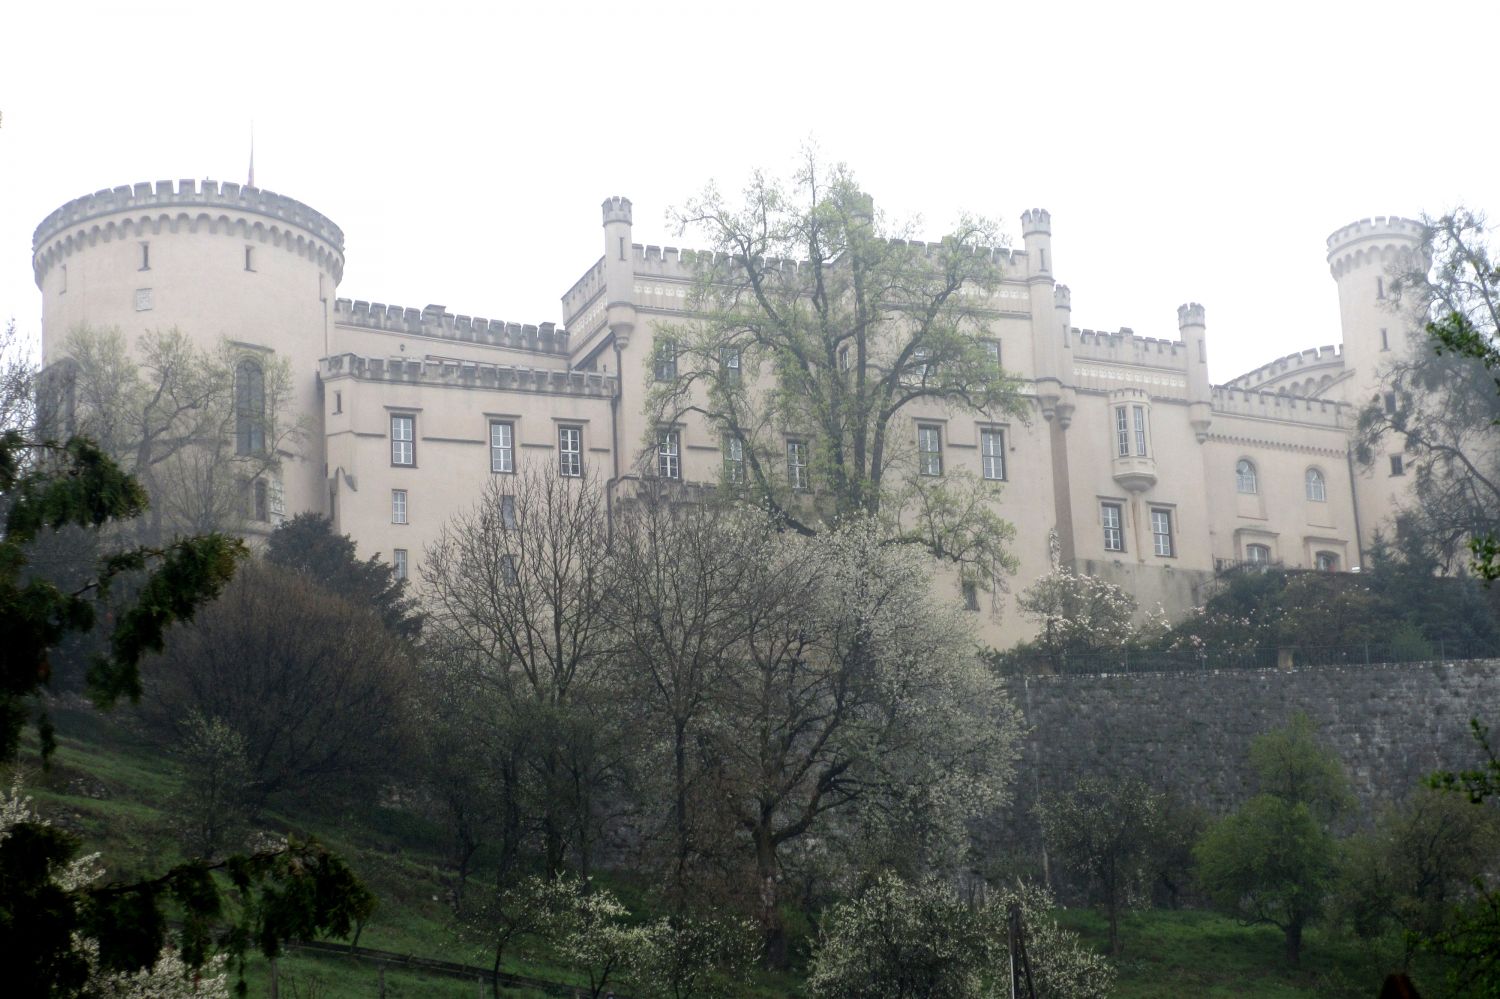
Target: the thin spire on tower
(250, 180)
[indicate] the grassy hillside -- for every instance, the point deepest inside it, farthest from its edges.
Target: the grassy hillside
(112, 787)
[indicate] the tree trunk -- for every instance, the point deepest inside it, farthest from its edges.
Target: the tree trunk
(1294, 943)
(773, 931)
(1114, 926)
(680, 804)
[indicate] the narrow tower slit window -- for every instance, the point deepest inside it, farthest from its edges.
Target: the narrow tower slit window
(249, 258)
(145, 256)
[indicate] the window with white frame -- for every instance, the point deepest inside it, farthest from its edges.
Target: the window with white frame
(992, 349)
(669, 453)
(1161, 533)
(796, 465)
(929, 449)
(1245, 480)
(992, 453)
(1122, 432)
(734, 460)
(1112, 517)
(923, 367)
(666, 360)
(844, 358)
(398, 506)
(260, 502)
(1317, 489)
(1258, 554)
(502, 446)
(729, 362)
(1327, 562)
(403, 439)
(1140, 430)
(570, 452)
(398, 559)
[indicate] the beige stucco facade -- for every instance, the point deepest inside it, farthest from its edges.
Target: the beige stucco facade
(481, 398)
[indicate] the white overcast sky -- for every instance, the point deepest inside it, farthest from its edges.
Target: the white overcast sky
(1197, 152)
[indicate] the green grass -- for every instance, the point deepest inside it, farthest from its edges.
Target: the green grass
(1170, 954)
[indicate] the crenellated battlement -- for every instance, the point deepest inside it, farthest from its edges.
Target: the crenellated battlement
(1275, 406)
(1387, 241)
(1036, 221)
(187, 194)
(1124, 347)
(453, 373)
(437, 323)
(1191, 314)
(617, 209)
(1379, 227)
(1290, 364)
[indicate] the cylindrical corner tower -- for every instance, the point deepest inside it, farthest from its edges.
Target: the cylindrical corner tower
(219, 262)
(1368, 259)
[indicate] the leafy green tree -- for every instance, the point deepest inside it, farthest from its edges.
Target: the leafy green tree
(217, 796)
(307, 544)
(692, 956)
(919, 940)
(1274, 860)
(1082, 615)
(1415, 869)
(1446, 403)
(1103, 830)
(815, 316)
(69, 933)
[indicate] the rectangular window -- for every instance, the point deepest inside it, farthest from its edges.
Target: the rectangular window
(502, 446)
(669, 454)
(729, 360)
(249, 258)
(734, 460)
(971, 596)
(1114, 532)
(922, 367)
(992, 453)
(929, 449)
(844, 358)
(260, 501)
(1122, 433)
(398, 506)
(145, 256)
(1397, 467)
(1161, 532)
(1390, 403)
(796, 465)
(666, 361)
(992, 348)
(570, 452)
(508, 512)
(338, 403)
(508, 574)
(403, 440)
(1140, 431)
(399, 561)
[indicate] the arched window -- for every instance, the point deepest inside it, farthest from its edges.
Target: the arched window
(1244, 477)
(1327, 562)
(1258, 554)
(249, 408)
(1317, 490)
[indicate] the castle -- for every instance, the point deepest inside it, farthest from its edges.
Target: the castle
(1141, 470)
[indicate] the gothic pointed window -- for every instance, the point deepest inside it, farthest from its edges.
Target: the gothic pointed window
(249, 408)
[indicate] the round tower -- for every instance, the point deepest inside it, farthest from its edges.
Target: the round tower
(1367, 259)
(219, 262)
(1192, 329)
(1036, 230)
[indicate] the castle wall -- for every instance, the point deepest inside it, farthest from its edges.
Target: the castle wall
(1190, 732)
